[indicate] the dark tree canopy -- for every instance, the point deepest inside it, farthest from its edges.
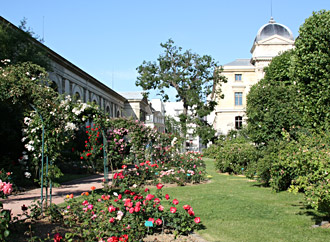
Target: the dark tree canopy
(311, 69)
(20, 45)
(272, 103)
(194, 78)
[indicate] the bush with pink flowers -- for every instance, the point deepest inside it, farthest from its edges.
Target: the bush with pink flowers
(127, 216)
(6, 189)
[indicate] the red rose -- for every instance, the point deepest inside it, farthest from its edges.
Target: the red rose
(151, 220)
(186, 207)
(159, 186)
(57, 237)
(161, 208)
(172, 210)
(197, 220)
(175, 202)
(149, 197)
(167, 196)
(111, 220)
(159, 222)
(111, 209)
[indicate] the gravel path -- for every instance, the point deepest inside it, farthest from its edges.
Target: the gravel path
(15, 202)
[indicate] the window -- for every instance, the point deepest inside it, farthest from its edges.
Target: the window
(238, 98)
(238, 122)
(77, 96)
(238, 77)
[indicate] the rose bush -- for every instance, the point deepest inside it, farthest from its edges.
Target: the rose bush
(6, 189)
(125, 216)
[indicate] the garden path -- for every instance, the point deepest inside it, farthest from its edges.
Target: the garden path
(76, 187)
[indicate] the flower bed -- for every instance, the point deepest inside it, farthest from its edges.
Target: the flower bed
(125, 216)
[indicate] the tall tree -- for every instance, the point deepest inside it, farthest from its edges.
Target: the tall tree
(20, 45)
(311, 69)
(272, 103)
(194, 78)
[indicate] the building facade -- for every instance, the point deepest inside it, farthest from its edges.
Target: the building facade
(193, 142)
(156, 119)
(69, 79)
(272, 39)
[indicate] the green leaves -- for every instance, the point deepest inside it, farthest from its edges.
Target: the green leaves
(191, 75)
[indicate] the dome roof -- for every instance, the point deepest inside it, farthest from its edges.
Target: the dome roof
(273, 28)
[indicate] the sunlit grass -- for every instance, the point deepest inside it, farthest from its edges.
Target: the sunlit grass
(237, 209)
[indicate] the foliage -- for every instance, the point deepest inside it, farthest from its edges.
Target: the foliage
(183, 168)
(272, 103)
(193, 77)
(303, 165)
(6, 189)
(236, 155)
(180, 169)
(93, 148)
(19, 45)
(310, 70)
(172, 125)
(126, 215)
(24, 85)
(211, 151)
(268, 155)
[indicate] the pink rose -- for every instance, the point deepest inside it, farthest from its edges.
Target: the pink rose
(175, 202)
(197, 220)
(151, 220)
(172, 210)
(7, 188)
(159, 222)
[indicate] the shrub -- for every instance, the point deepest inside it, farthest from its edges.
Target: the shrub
(129, 215)
(211, 151)
(236, 155)
(6, 189)
(268, 155)
(312, 168)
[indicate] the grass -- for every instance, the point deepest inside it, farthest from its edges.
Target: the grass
(235, 209)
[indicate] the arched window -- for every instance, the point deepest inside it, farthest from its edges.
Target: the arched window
(54, 86)
(238, 122)
(77, 96)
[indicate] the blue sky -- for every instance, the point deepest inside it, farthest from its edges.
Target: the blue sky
(108, 39)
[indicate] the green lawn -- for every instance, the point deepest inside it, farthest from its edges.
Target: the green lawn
(236, 209)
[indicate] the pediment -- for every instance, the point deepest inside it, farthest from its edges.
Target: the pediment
(276, 40)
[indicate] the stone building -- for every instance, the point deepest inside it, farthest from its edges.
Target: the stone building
(156, 119)
(272, 39)
(69, 79)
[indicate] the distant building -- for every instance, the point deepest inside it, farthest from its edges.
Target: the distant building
(174, 109)
(272, 39)
(156, 119)
(136, 105)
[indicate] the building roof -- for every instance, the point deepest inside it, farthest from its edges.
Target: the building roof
(132, 95)
(239, 62)
(67, 64)
(273, 28)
